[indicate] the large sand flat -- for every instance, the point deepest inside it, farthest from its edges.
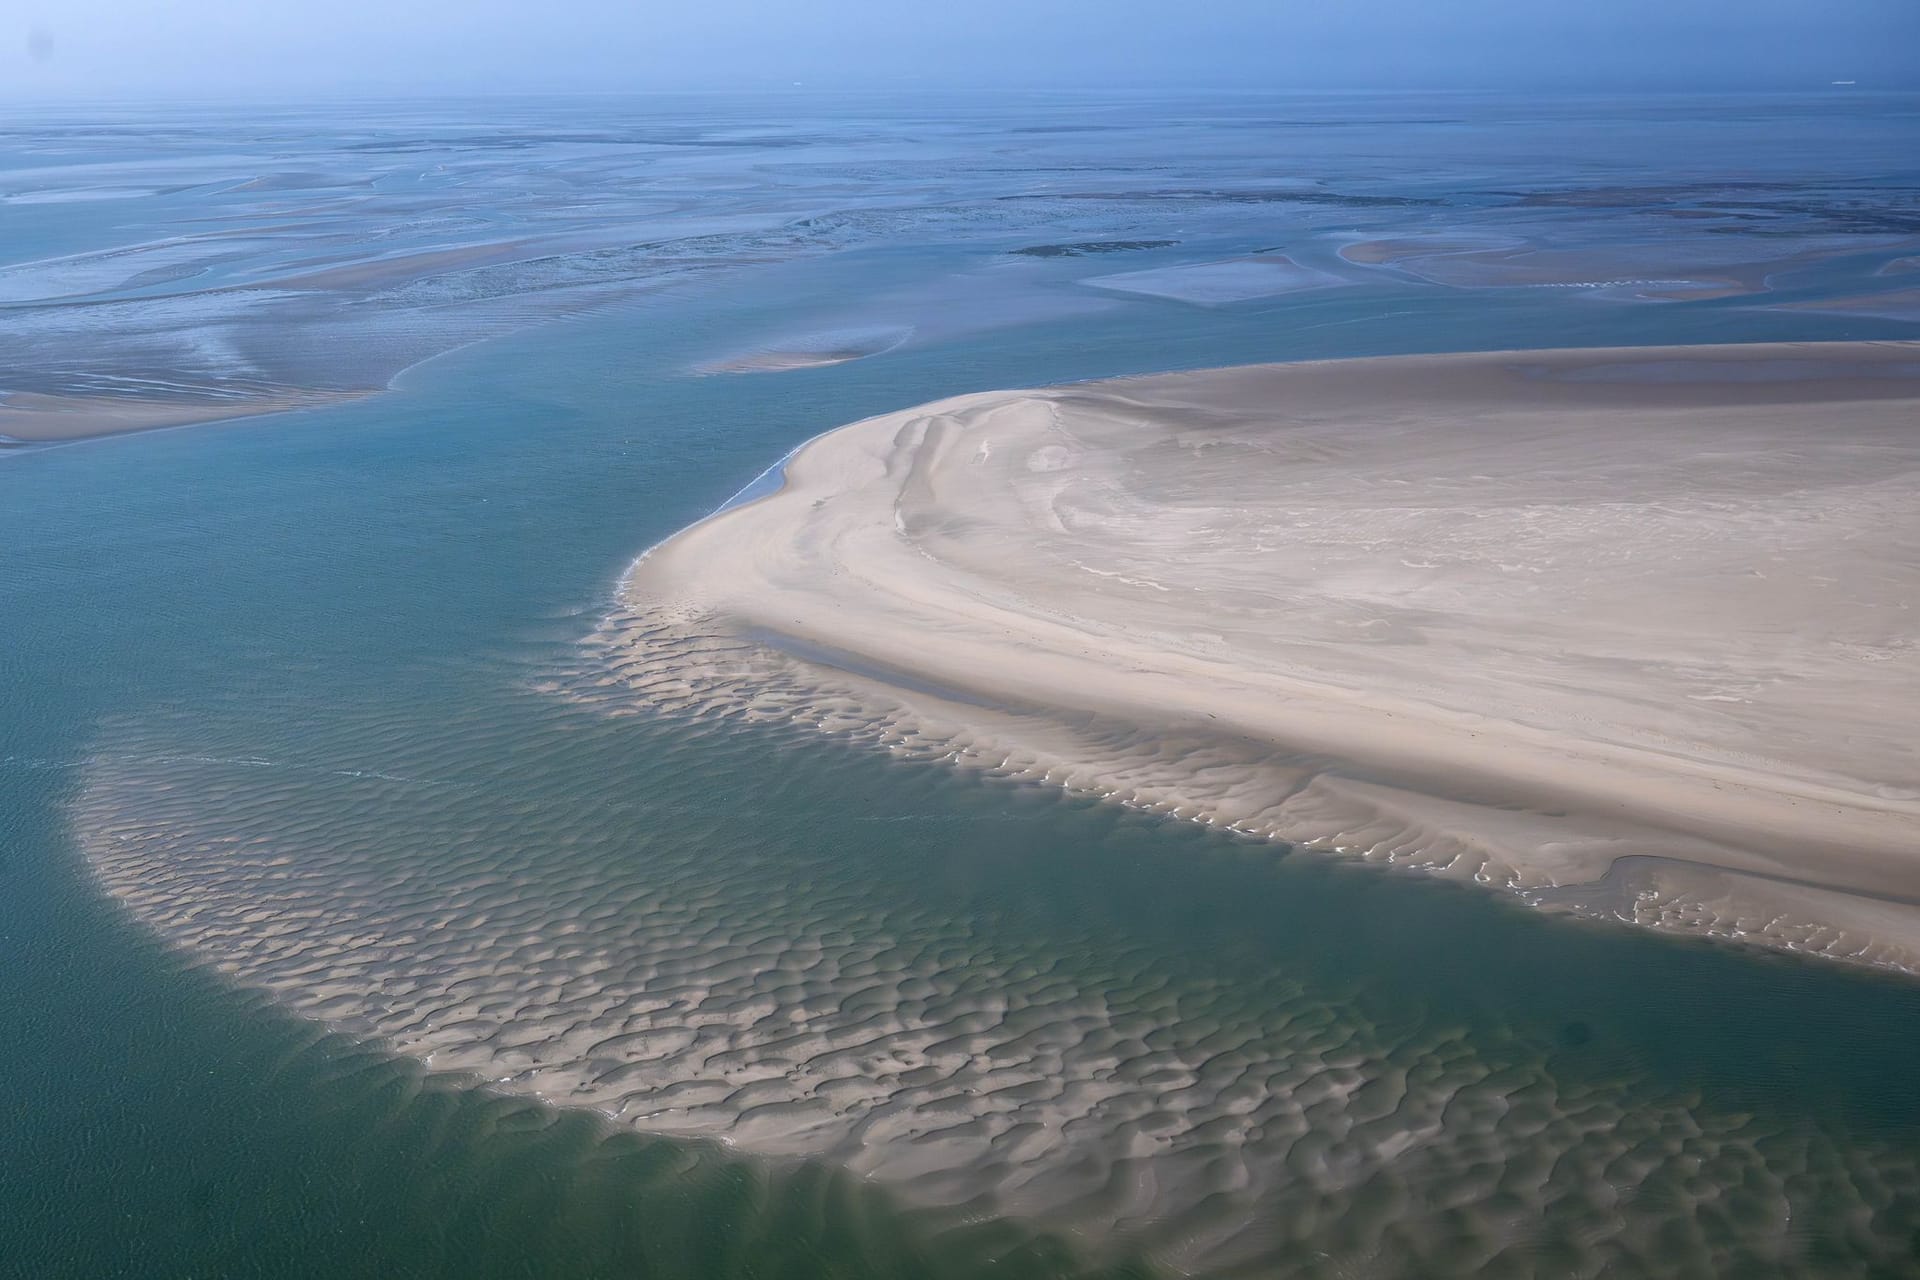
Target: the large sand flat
(1631, 631)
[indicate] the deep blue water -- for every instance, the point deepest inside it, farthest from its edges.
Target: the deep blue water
(332, 635)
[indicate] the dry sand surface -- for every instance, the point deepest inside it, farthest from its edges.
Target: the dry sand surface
(1630, 632)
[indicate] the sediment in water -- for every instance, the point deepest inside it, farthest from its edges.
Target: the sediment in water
(617, 945)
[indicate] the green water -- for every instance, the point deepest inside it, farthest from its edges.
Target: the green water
(330, 636)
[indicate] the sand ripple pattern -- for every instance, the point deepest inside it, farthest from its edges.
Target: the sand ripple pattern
(647, 665)
(636, 958)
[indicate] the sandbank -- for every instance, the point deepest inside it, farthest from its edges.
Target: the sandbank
(1220, 283)
(1513, 617)
(35, 418)
(369, 273)
(1657, 271)
(810, 351)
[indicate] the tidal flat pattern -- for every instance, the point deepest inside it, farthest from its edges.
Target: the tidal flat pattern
(188, 269)
(308, 700)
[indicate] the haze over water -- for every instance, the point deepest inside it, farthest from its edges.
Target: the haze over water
(306, 778)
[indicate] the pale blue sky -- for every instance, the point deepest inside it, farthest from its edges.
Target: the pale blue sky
(52, 49)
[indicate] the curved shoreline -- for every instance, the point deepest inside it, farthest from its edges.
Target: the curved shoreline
(1507, 615)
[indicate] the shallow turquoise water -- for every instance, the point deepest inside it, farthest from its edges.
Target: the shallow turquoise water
(325, 634)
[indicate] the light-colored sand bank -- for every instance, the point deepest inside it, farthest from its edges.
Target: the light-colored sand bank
(1209, 284)
(1514, 616)
(34, 418)
(782, 361)
(810, 351)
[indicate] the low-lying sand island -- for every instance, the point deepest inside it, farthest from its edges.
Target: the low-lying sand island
(1632, 632)
(32, 418)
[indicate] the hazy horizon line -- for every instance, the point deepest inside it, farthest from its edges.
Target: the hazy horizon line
(239, 96)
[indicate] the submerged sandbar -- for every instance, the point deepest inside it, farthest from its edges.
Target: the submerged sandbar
(1630, 631)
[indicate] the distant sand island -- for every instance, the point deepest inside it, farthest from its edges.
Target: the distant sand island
(31, 418)
(1633, 633)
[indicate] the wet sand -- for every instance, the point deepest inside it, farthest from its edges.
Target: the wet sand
(1265, 275)
(1224, 1099)
(1891, 304)
(1647, 271)
(1513, 616)
(33, 418)
(810, 351)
